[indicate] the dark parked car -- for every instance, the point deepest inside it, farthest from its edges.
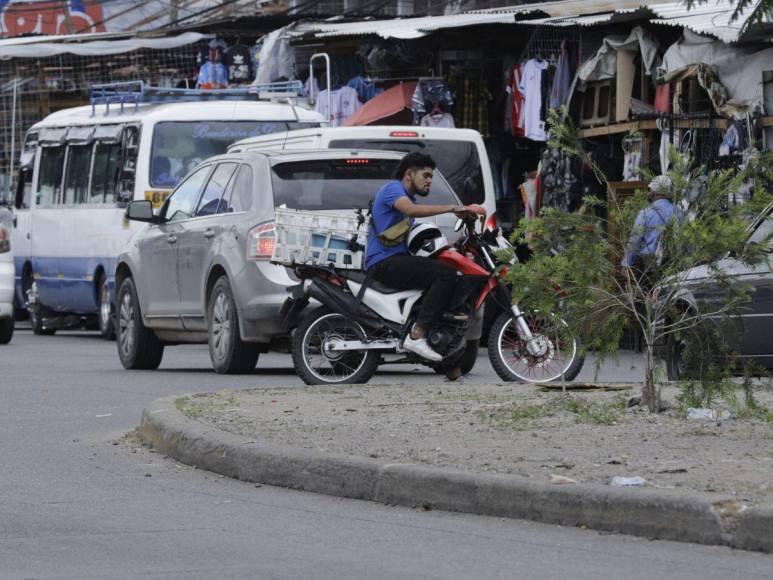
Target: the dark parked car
(200, 270)
(751, 334)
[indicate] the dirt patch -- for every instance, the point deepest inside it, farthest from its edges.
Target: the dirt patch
(506, 428)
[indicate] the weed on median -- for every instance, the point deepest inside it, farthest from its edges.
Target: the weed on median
(519, 417)
(195, 407)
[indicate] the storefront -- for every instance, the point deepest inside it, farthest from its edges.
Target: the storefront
(634, 80)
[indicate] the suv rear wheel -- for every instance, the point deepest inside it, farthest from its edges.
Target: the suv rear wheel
(229, 353)
(138, 346)
(6, 329)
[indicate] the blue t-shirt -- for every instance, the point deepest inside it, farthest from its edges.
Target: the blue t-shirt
(384, 217)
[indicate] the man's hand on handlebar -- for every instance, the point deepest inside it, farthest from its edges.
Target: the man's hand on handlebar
(462, 211)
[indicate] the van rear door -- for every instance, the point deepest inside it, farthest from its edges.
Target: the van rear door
(462, 161)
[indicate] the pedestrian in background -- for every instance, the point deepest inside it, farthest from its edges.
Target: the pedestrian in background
(644, 253)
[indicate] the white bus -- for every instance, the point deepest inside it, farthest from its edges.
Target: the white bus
(81, 166)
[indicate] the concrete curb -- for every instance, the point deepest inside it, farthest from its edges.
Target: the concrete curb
(651, 513)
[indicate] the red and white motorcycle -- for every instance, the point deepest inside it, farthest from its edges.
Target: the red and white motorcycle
(346, 338)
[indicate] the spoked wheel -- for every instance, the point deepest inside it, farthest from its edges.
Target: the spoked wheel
(316, 364)
(552, 353)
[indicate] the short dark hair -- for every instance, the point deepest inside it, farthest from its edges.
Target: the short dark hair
(414, 160)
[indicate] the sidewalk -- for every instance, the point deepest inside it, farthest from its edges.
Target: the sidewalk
(501, 449)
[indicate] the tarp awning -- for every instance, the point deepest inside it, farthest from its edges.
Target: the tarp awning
(52, 46)
(388, 104)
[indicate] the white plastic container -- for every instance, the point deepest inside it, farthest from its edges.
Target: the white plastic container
(319, 238)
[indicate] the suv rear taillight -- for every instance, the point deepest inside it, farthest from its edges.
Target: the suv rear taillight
(5, 240)
(492, 222)
(260, 242)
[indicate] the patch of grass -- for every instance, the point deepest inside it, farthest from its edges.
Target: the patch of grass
(756, 411)
(207, 404)
(477, 397)
(515, 416)
(590, 413)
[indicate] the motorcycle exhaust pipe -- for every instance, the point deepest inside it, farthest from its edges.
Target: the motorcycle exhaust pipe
(343, 303)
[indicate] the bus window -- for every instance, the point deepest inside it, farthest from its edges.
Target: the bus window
(186, 143)
(107, 161)
(129, 149)
(76, 178)
(50, 180)
(23, 187)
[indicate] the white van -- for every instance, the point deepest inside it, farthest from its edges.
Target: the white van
(81, 167)
(460, 153)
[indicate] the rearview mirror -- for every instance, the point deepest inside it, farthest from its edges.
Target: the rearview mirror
(458, 225)
(141, 211)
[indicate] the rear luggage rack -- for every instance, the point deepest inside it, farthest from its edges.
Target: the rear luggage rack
(136, 92)
(319, 238)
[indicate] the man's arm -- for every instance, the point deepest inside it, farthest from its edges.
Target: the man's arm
(405, 206)
(634, 242)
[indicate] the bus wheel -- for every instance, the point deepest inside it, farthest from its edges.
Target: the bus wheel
(38, 313)
(105, 313)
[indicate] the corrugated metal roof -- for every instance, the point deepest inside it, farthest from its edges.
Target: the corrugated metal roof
(712, 18)
(574, 8)
(407, 27)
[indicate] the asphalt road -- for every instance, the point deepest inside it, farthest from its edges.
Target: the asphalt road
(78, 501)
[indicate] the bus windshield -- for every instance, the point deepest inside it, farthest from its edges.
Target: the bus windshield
(178, 146)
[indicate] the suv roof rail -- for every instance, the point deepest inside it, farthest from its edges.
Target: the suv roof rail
(136, 92)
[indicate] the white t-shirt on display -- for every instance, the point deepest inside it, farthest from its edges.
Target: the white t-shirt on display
(343, 102)
(438, 120)
(531, 87)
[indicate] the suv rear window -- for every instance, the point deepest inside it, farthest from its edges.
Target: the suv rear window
(458, 160)
(341, 183)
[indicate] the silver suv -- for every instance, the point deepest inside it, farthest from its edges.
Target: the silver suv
(200, 270)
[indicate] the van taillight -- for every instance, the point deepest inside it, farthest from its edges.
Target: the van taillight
(5, 241)
(492, 222)
(260, 242)
(403, 134)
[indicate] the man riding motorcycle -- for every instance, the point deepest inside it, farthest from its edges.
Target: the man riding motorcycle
(388, 261)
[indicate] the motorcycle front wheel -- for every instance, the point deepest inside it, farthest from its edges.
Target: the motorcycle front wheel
(316, 364)
(554, 352)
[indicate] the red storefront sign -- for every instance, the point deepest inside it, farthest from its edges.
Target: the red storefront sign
(48, 18)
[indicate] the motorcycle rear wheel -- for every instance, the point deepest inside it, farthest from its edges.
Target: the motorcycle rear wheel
(512, 361)
(315, 365)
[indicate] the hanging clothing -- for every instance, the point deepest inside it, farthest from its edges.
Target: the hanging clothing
(431, 94)
(310, 87)
(343, 104)
(365, 88)
(277, 56)
(444, 120)
(238, 61)
(531, 86)
(663, 97)
(632, 150)
(529, 194)
(562, 80)
(516, 99)
(212, 75)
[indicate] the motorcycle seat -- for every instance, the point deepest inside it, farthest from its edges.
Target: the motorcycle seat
(359, 277)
